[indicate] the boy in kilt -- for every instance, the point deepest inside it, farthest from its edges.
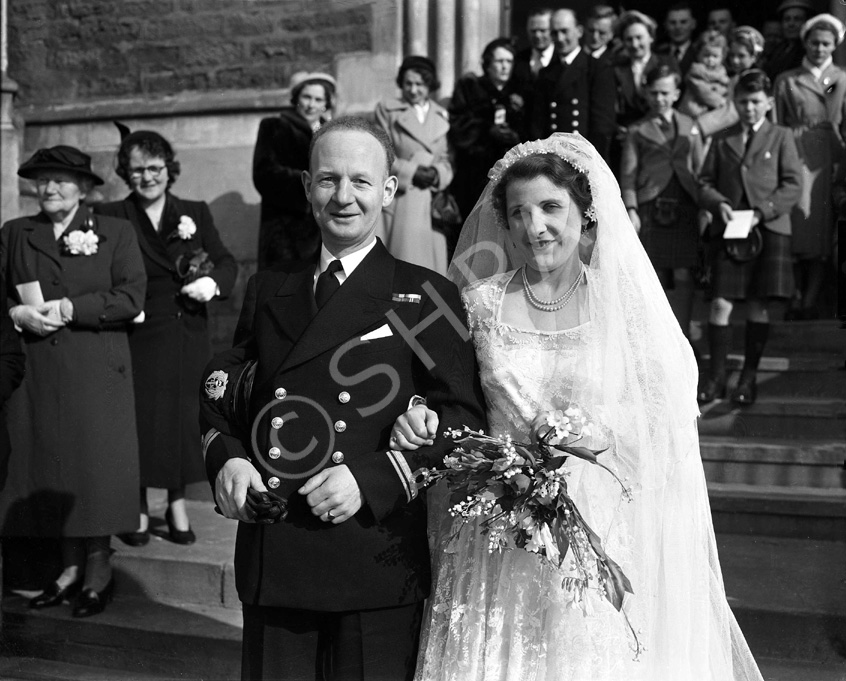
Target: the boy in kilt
(659, 188)
(753, 165)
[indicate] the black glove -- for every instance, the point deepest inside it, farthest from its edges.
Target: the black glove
(425, 177)
(265, 508)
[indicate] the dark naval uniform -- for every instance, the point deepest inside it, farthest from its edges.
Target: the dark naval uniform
(327, 389)
(578, 97)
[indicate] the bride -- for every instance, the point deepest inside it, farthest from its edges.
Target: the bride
(565, 309)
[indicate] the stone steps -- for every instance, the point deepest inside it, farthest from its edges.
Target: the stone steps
(793, 418)
(184, 641)
(798, 512)
(822, 336)
(36, 669)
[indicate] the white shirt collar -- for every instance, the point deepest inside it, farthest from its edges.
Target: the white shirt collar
(348, 262)
(755, 127)
(568, 58)
(596, 54)
(816, 71)
(420, 110)
(544, 55)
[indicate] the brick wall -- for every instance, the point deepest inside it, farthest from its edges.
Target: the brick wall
(70, 51)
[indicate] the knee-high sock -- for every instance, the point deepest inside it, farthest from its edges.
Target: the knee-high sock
(718, 342)
(757, 334)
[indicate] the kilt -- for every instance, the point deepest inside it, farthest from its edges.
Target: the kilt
(675, 245)
(769, 275)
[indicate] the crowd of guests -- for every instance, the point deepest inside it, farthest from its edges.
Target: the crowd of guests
(696, 128)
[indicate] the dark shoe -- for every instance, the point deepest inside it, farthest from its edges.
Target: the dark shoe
(55, 595)
(745, 393)
(712, 389)
(92, 602)
(135, 538)
(184, 537)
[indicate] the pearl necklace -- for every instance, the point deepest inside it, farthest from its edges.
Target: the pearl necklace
(551, 305)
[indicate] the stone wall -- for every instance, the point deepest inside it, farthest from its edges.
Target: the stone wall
(80, 50)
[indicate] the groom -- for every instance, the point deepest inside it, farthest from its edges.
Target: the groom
(335, 590)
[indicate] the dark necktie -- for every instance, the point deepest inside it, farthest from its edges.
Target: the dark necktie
(677, 53)
(750, 135)
(668, 129)
(327, 283)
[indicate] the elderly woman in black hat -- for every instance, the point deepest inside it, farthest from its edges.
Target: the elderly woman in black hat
(187, 266)
(78, 281)
(288, 230)
(418, 127)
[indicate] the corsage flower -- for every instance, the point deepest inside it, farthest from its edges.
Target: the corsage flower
(187, 228)
(80, 242)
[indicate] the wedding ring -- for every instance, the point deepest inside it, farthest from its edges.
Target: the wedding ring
(329, 515)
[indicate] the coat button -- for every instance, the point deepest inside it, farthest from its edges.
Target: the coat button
(575, 124)
(274, 452)
(340, 426)
(575, 112)
(552, 116)
(54, 341)
(553, 127)
(338, 457)
(273, 483)
(344, 397)
(277, 422)
(102, 317)
(574, 101)
(56, 282)
(552, 105)
(281, 393)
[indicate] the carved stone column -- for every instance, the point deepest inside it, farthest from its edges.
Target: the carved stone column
(11, 135)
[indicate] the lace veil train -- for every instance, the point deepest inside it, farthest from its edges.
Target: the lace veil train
(644, 398)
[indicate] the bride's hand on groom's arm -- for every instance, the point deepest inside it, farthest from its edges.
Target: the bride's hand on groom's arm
(415, 428)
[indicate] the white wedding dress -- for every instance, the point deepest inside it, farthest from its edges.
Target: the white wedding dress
(504, 616)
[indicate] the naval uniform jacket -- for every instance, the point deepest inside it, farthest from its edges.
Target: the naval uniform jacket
(767, 175)
(578, 97)
(319, 389)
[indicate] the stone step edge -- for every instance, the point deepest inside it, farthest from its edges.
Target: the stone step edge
(824, 453)
(770, 405)
(818, 362)
(39, 669)
(774, 500)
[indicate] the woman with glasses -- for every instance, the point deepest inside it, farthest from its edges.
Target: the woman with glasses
(76, 282)
(187, 266)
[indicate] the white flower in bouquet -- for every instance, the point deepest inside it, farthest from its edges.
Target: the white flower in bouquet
(187, 228)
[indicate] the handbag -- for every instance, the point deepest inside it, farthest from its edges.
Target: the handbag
(446, 218)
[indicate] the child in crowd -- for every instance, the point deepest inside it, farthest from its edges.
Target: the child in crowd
(706, 83)
(811, 101)
(753, 165)
(659, 188)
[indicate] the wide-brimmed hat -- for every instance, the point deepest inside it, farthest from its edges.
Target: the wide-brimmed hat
(751, 35)
(62, 157)
(828, 20)
(303, 77)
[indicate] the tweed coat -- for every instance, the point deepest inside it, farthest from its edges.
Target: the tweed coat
(814, 110)
(575, 98)
(767, 175)
(649, 161)
(406, 227)
(172, 346)
(74, 471)
(320, 389)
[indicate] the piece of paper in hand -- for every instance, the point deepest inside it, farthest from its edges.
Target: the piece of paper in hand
(740, 225)
(30, 293)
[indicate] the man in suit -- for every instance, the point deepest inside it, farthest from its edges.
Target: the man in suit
(576, 92)
(753, 165)
(679, 24)
(599, 34)
(335, 590)
(529, 62)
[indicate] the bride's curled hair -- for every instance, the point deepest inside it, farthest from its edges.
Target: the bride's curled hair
(558, 171)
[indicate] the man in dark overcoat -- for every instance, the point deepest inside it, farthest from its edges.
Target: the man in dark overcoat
(335, 590)
(575, 93)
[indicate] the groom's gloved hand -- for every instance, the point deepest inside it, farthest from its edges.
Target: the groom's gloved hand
(415, 428)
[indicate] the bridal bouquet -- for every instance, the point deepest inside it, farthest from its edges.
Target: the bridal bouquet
(519, 492)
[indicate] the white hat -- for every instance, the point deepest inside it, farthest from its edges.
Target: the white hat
(829, 19)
